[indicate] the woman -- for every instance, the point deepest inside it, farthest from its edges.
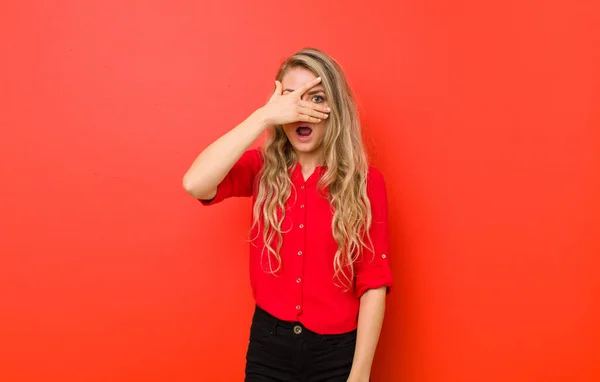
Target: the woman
(318, 257)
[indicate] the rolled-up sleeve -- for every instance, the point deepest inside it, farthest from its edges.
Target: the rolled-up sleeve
(373, 268)
(240, 180)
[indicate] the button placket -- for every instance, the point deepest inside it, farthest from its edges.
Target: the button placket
(302, 246)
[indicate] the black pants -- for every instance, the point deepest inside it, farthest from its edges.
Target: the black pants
(287, 351)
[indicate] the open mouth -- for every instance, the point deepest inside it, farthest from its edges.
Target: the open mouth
(303, 131)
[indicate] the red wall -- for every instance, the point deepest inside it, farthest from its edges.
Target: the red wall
(483, 116)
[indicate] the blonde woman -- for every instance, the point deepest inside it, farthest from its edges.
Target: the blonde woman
(319, 240)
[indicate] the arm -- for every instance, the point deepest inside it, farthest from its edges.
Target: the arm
(213, 164)
(370, 320)
(373, 281)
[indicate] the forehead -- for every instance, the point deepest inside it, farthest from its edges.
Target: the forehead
(296, 77)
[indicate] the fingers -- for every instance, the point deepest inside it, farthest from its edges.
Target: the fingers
(308, 118)
(314, 106)
(313, 113)
(304, 88)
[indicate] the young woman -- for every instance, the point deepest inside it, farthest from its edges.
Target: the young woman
(319, 241)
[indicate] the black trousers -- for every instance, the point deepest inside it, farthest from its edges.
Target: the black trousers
(286, 351)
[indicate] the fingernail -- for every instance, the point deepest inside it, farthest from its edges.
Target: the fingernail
(328, 108)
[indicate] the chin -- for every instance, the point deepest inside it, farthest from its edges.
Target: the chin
(305, 147)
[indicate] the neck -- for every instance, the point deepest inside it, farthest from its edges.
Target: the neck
(310, 160)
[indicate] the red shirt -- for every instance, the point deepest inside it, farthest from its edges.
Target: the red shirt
(304, 289)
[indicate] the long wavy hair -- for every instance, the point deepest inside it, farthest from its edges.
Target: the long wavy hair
(344, 180)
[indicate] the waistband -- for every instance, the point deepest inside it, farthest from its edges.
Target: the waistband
(292, 328)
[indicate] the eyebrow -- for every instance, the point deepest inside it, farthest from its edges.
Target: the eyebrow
(309, 93)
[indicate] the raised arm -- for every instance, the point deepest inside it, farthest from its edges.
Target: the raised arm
(214, 162)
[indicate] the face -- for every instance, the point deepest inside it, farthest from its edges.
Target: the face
(306, 138)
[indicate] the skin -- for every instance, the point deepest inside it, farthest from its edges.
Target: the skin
(310, 151)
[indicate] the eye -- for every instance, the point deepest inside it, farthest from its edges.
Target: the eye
(317, 99)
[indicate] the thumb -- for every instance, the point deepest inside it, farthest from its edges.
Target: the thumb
(277, 91)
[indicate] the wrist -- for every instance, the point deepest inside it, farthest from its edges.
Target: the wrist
(261, 118)
(359, 374)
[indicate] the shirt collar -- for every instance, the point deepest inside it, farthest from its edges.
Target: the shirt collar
(298, 178)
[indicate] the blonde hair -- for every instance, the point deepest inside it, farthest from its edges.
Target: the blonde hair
(345, 178)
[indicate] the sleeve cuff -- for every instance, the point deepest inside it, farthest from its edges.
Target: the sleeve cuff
(219, 197)
(376, 278)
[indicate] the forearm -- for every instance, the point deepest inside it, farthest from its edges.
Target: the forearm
(370, 321)
(214, 162)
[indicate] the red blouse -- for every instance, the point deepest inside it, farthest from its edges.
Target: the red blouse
(304, 289)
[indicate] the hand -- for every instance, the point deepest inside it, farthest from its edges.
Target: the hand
(282, 109)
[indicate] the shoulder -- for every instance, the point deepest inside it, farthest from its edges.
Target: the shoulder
(252, 157)
(375, 178)
(253, 154)
(376, 189)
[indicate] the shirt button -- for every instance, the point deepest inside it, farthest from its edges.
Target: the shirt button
(301, 205)
(302, 187)
(298, 280)
(299, 253)
(384, 256)
(301, 225)
(297, 307)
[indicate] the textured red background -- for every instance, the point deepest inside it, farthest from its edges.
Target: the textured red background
(483, 116)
